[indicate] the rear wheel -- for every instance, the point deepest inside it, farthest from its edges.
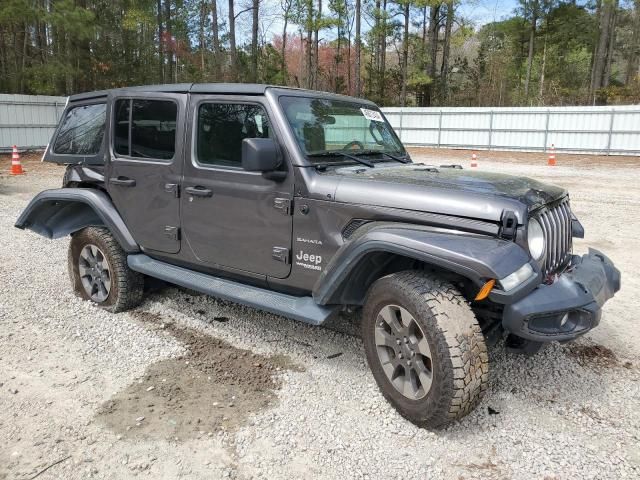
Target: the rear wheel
(424, 347)
(99, 271)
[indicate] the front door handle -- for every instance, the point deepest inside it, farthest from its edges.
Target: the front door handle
(198, 191)
(123, 181)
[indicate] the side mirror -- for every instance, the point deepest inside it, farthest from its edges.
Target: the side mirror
(259, 155)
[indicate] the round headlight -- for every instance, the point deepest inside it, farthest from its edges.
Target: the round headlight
(535, 237)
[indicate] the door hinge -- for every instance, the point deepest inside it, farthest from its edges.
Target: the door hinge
(280, 254)
(172, 232)
(172, 188)
(283, 205)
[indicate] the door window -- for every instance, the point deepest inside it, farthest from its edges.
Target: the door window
(223, 126)
(81, 131)
(121, 127)
(145, 128)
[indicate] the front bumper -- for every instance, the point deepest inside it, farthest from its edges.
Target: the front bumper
(569, 307)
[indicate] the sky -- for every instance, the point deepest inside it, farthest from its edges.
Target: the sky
(477, 12)
(485, 11)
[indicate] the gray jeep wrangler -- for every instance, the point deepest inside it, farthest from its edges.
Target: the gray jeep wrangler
(306, 204)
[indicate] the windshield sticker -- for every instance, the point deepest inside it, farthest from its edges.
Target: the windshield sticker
(372, 115)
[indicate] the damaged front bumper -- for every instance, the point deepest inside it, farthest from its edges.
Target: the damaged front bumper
(567, 308)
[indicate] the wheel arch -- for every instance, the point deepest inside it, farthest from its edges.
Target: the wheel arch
(60, 212)
(389, 248)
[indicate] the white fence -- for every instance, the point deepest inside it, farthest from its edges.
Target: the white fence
(601, 130)
(28, 120)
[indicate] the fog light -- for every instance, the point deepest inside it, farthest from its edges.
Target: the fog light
(550, 323)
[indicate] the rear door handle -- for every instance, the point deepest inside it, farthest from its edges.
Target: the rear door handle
(123, 181)
(198, 191)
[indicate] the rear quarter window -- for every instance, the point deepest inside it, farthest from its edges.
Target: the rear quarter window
(81, 131)
(145, 128)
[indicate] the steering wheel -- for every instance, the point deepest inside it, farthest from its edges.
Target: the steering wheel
(354, 143)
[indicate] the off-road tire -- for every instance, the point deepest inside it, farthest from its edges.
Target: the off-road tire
(126, 287)
(460, 364)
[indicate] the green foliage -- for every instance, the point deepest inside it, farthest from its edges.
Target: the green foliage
(417, 81)
(67, 46)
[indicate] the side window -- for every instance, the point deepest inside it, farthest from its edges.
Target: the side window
(223, 126)
(145, 128)
(121, 127)
(81, 131)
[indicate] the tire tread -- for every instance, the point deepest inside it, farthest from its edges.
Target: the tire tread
(128, 285)
(459, 343)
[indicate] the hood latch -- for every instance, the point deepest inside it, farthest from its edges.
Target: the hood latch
(509, 225)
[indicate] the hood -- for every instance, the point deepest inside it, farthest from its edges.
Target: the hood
(465, 193)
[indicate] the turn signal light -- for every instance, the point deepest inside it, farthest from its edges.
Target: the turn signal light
(485, 290)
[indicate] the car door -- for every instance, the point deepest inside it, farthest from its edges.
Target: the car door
(143, 174)
(231, 217)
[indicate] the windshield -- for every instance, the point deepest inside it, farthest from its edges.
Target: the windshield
(324, 128)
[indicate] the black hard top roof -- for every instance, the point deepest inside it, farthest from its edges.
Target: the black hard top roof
(213, 88)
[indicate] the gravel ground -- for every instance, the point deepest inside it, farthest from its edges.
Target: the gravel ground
(145, 393)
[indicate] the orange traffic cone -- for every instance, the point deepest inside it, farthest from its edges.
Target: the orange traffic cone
(16, 166)
(474, 160)
(552, 156)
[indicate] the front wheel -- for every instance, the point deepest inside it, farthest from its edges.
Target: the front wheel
(99, 271)
(424, 347)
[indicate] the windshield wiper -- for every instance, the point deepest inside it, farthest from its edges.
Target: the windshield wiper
(342, 154)
(380, 152)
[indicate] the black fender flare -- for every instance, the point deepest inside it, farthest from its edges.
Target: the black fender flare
(475, 257)
(60, 212)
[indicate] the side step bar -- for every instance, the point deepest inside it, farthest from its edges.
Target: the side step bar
(303, 309)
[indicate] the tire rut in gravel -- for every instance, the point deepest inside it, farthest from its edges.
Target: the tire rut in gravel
(214, 387)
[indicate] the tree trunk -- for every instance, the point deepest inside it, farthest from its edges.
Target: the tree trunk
(434, 28)
(610, 48)
(42, 38)
(633, 65)
(25, 44)
(309, 42)
(405, 54)
(607, 12)
(542, 72)
(160, 43)
(594, 52)
(383, 53)
(232, 42)
(4, 81)
(215, 40)
(424, 27)
(446, 49)
(375, 70)
(68, 77)
(372, 62)
(283, 62)
(316, 45)
(358, 49)
(83, 57)
(532, 40)
(203, 15)
(300, 81)
(349, 72)
(167, 10)
(254, 41)
(337, 58)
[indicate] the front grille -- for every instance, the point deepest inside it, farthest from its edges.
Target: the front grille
(556, 224)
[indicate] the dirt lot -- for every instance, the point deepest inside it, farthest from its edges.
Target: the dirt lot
(190, 387)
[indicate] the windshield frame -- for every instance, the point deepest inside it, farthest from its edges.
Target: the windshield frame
(326, 160)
